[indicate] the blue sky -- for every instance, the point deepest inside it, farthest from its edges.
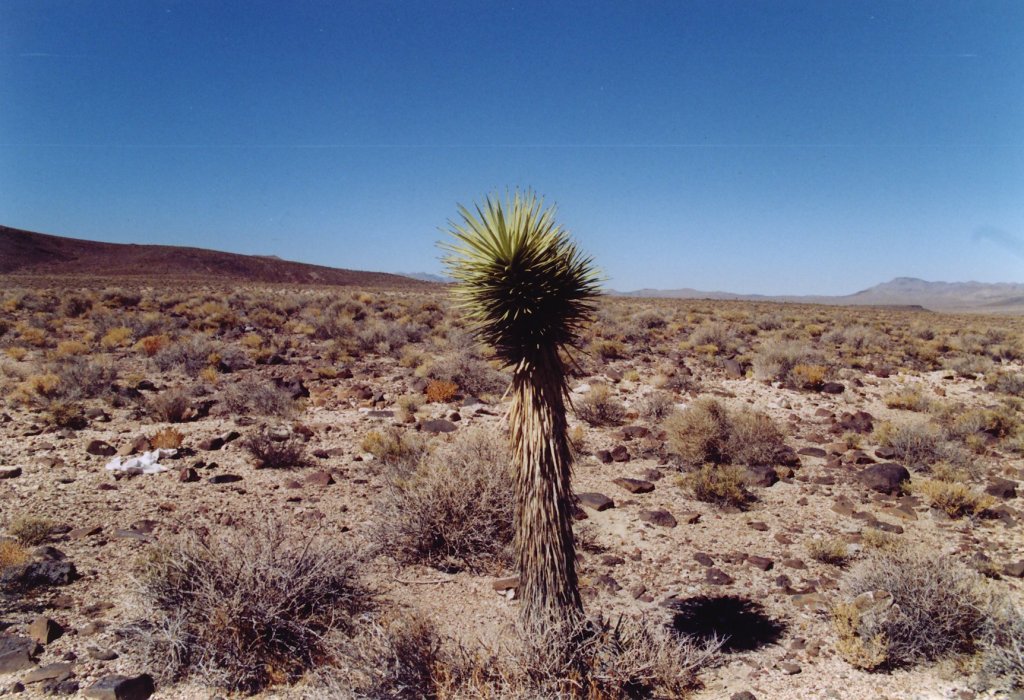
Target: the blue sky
(772, 147)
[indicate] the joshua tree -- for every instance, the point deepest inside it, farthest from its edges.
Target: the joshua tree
(527, 288)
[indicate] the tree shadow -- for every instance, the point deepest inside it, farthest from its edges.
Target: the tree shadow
(742, 623)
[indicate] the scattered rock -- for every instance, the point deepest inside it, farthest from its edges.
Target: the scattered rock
(733, 369)
(743, 695)
(44, 630)
(122, 688)
(211, 444)
(1015, 569)
(704, 559)
(860, 422)
(634, 485)
(38, 574)
(321, 479)
(1002, 488)
(762, 563)
(812, 452)
(101, 654)
(620, 454)
(659, 517)
(17, 653)
(595, 501)
(789, 668)
(762, 475)
(188, 475)
(80, 533)
(224, 479)
(437, 425)
(832, 388)
(887, 477)
(12, 473)
(101, 448)
(717, 577)
(50, 672)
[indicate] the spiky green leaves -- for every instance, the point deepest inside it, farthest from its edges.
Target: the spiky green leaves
(521, 279)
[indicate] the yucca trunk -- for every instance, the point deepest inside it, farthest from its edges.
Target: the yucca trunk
(542, 458)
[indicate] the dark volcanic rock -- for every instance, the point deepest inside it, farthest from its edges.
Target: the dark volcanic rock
(634, 485)
(103, 449)
(717, 577)
(859, 422)
(12, 473)
(1002, 488)
(38, 574)
(832, 388)
(122, 688)
(887, 477)
(620, 453)
(659, 517)
(596, 501)
(438, 425)
(17, 653)
(762, 475)
(224, 479)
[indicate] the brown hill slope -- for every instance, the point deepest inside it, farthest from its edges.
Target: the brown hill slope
(29, 253)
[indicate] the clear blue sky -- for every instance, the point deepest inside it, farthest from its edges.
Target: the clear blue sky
(773, 147)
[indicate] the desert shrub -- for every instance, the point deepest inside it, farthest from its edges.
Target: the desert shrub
(699, 433)
(253, 396)
(917, 445)
(271, 453)
(1003, 642)
(969, 366)
(714, 333)
(151, 345)
(1011, 383)
(754, 438)
(721, 484)
(809, 376)
(167, 439)
(955, 499)
(468, 370)
(75, 305)
(441, 391)
(909, 398)
(905, 606)
(775, 361)
(408, 405)
(426, 516)
(829, 550)
(650, 319)
(190, 354)
(635, 657)
(656, 406)
(69, 348)
(395, 448)
(244, 609)
(599, 406)
(173, 406)
(30, 529)
(83, 378)
(706, 432)
(607, 349)
(65, 414)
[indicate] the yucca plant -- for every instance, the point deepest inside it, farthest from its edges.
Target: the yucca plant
(527, 288)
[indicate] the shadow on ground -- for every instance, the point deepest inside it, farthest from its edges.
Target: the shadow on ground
(742, 623)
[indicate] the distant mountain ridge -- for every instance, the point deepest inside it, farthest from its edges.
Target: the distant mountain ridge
(29, 253)
(1006, 297)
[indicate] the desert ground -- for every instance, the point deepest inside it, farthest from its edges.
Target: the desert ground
(776, 500)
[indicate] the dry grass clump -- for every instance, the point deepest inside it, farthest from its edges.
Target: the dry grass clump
(599, 406)
(30, 530)
(1003, 382)
(829, 550)
(395, 448)
(83, 378)
(270, 452)
(441, 391)
(908, 398)
(953, 498)
(167, 439)
(191, 355)
(12, 553)
(905, 605)
(707, 432)
(722, 484)
(173, 406)
(244, 609)
(453, 510)
(466, 369)
(776, 360)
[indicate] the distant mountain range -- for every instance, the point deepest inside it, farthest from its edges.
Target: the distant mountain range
(39, 254)
(902, 291)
